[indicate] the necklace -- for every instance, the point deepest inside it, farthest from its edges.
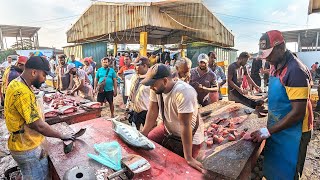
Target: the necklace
(25, 82)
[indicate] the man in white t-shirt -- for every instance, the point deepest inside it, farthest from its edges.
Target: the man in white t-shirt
(139, 93)
(180, 113)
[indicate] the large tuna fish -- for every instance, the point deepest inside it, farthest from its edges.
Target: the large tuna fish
(131, 135)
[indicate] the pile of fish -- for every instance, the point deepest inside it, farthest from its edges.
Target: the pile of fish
(224, 130)
(131, 135)
(57, 103)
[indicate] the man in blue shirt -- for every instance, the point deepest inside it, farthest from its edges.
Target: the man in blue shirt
(107, 74)
(75, 62)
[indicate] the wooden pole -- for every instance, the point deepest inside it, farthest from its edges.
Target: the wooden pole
(143, 43)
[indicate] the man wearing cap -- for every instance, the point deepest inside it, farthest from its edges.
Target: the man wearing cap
(11, 73)
(176, 101)
(290, 118)
(77, 64)
(235, 93)
(107, 74)
(124, 71)
(183, 67)
(139, 93)
(25, 121)
(64, 79)
(217, 70)
(203, 80)
(81, 82)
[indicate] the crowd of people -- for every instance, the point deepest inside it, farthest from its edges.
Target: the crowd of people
(172, 94)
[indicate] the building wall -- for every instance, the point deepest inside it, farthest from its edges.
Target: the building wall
(73, 50)
(97, 50)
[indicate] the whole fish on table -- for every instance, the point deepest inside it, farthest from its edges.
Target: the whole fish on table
(131, 135)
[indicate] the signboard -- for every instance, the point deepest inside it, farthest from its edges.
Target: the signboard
(38, 52)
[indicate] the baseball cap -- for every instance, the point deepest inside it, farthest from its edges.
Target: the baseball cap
(22, 59)
(39, 63)
(141, 61)
(157, 71)
(69, 67)
(203, 58)
(268, 41)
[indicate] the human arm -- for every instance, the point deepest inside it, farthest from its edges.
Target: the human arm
(44, 128)
(152, 114)
(294, 116)
(186, 137)
(297, 84)
(78, 87)
(151, 118)
(115, 85)
(222, 76)
(230, 82)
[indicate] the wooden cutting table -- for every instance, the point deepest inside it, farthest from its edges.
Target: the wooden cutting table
(165, 165)
(231, 160)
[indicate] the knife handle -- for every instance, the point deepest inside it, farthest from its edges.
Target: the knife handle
(116, 174)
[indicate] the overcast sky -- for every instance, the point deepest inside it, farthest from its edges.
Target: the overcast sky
(247, 19)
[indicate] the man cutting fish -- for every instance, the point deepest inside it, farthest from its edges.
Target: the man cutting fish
(290, 118)
(25, 121)
(182, 129)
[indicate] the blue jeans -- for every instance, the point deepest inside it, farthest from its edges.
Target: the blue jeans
(33, 166)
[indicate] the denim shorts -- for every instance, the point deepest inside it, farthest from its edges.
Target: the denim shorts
(33, 163)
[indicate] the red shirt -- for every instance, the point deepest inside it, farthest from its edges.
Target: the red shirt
(121, 61)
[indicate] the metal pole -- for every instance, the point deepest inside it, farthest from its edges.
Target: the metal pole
(299, 43)
(317, 40)
(1, 39)
(21, 38)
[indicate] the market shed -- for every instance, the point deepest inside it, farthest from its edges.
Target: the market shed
(166, 22)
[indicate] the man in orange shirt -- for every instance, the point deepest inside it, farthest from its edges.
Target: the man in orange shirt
(122, 73)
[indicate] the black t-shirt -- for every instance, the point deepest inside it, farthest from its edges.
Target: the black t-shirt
(232, 70)
(256, 66)
(266, 66)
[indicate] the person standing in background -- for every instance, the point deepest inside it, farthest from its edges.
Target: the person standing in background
(217, 70)
(122, 74)
(107, 74)
(255, 71)
(314, 68)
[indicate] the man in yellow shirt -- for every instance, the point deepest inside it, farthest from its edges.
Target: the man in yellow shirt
(25, 121)
(11, 73)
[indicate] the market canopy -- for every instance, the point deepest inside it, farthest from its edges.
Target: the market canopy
(307, 37)
(314, 6)
(14, 31)
(166, 22)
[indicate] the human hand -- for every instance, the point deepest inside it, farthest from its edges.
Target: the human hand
(257, 88)
(260, 135)
(196, 164)
(115, 93)
(67, 137)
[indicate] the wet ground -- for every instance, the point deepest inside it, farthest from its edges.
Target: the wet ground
(311, 169)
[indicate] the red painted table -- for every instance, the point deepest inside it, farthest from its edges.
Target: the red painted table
(165, 165)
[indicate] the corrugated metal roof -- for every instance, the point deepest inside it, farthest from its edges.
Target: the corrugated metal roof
(308, 37)
(14, 31)
(314, 6)
(165, 23)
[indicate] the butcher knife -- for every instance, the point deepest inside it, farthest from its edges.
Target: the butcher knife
(68, 145)
(131, 164)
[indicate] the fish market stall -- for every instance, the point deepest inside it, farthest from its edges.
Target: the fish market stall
(164, 163)
(70, 109)
(227, 154)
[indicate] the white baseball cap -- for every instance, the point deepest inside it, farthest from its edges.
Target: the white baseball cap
(69, 67)
(203, 58)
